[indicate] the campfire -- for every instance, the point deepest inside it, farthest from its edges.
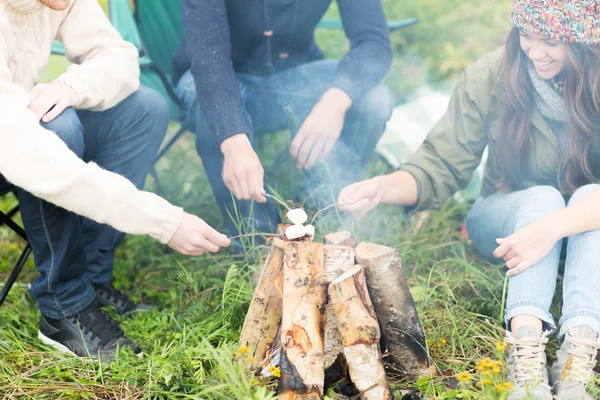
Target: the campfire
(320, 311)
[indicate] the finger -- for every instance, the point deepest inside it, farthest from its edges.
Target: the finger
(513, 262)
(297, 142)
(207, 245)
(56, 111)
(512, 253)
(519, 268)
(244, 183)
(316, 153)
(231, 184)
(346, 194)
(501, 250)
(305, 150)
(217, 238)
(44, 104)
(258, 190)
(35, 92)
(327, 150)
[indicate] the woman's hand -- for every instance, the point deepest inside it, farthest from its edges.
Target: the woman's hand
(195, 237)
(527, 246)
(48, 100)
(360, 198)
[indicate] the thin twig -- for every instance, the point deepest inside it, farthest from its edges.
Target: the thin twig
(277, 200)
(253, 234)
(324, 209)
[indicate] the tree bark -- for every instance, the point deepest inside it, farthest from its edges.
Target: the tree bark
(343, 238)
(359, 330)
(259, 332)
(395, 308)
(303, 321)
(338, 259)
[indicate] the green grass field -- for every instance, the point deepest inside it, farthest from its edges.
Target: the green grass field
(190, 345)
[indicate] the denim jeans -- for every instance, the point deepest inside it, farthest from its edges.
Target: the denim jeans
(264, 99)
(72, 252)
(531, 291)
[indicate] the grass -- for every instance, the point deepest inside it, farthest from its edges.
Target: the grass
(190, 344)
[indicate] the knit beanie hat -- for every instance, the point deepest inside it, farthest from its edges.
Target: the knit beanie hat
(566, 20)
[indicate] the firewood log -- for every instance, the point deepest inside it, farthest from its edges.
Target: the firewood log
(343, 238)
(338, 259)
(395, 308)
(259, 332)
(302, 322)
(359, 330)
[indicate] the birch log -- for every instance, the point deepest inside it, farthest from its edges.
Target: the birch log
(359, 330)
(261, 325)
(302, 322)
(395, 308)
(338, 259)
(343, 238)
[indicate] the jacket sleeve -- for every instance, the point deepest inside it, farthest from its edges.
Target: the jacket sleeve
(370, 55)
(36, 160)
(208, 46)
(445, 162)
(105, 69)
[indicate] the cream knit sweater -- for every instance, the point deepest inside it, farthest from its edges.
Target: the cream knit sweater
(105, 71)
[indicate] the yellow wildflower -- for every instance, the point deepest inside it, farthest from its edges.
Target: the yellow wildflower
(501, 346)
(251, 359)
(243, 349)
(487, 372)
(500, 388)
(507, 385)
(463, 376)
(486, 381)
(496, 370)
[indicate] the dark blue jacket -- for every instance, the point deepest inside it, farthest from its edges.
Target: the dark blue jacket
(260, 37)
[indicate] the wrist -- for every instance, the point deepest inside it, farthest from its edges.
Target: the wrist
(234, 143)
(337, 100)
(556, 225)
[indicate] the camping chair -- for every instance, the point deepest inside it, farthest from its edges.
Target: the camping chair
(6, 219)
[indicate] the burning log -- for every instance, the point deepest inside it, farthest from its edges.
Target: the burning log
(359, 331)
(261, 325)
(395, 308)
(343, 238)
(302, 323)
(338, 259)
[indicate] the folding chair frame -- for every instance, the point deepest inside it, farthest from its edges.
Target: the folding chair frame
(6, 219)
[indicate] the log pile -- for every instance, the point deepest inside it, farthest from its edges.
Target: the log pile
(321, 312)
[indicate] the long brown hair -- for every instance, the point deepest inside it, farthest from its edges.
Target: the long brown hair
(582, 104)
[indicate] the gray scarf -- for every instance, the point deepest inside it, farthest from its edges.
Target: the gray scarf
(550, 104)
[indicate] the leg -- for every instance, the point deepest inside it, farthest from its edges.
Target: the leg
(300, 89)
(530, 293)
(124, 140)
(581, 286)
(265, 216)
(63, 287)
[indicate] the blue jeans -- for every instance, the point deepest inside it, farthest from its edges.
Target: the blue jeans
(264, 99)
(531, 291)
(72, 252)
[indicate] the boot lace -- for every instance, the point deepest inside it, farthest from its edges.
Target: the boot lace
(99, 325)
(582, 359)
(528, 356)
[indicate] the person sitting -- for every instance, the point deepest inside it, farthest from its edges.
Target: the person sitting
(244, 70)
(74, 212)
(536, 104)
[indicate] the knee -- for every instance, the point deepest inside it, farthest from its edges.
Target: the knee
(378, 104)
(582, 192)
(149, 106)
(538, 202)
(69, 129)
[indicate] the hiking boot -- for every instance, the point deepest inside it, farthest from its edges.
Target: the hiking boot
(526, 365)
(87, 334)
(574, 365)
(107, 295)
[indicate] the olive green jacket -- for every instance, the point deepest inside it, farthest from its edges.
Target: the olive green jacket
(445, 162)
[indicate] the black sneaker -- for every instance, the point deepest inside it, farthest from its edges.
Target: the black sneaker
(88, 334)
(107, 295)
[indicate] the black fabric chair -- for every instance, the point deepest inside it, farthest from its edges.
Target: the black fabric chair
(6, 219)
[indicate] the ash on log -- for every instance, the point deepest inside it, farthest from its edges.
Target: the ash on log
(359, 331)
(261, 325)
(302, 322)
(395, 308)
(338, 260)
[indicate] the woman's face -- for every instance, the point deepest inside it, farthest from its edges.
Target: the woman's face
(57, 5)
(548, 55)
